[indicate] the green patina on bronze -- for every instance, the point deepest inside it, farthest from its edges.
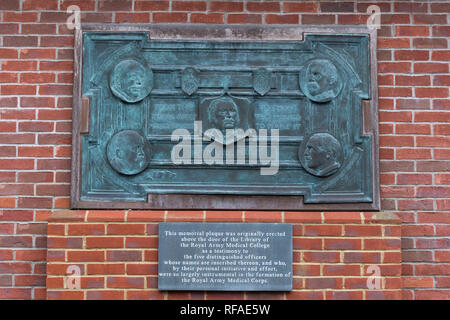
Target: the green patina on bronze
(141, 90)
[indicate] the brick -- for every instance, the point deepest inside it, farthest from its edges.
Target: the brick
(323, 283)
(440, 55)
(10, 5)
(420, 116)
(393, 19)
(18, 89)
(226, 6)
(86, 229)
(31, 255)
(318, 19)
(413, 104)
(306, 270)
(158, 5)
(85, 256)
(16, 241)
(124, 255)
(412, 31)
(172, 17)
(114, 5)
(442, 256)
(37, 53)
(7, 102)
(244, 18)
(144, 295)
(39, 28)
(342, 244)
(8, 53)
(53, 138)
(20, 16)
(282, 19)
(433, 192)
(395, 116)
(261, 216)
(58, 114)
(263, 6)
(441, 154)
(105, 215)
(35, 177)
(430, 19)
(151, 255)
(432, 269)
(105, 268)
(427, 166)
(362, 257)
(412, 128)
(415, 204)
(37, 77)
(125, 229)
(430, 67)
(321, 256)
(362, 231)
(92, 282)
(224, 216)
(410, 7)
(305, 295)
(15, 293)
(139, 17)
(342, 217)
(142, 269)
(53, 164)
(441, 104)
(188, 6)
(17, 65)
(207, 18)
(412, 80)
(395, 92)
(337, 7)
(432, 294)
(16, 164)
(323, 230)
(20, 41)
(141, 242)
(307, 243)
(40, 5)
(386, 80)
(65, 295)
(431, 92)
(414, 179)
(441, 80)
(432, 43)
(402, 154)
(433, 141)
(35, 151)
(411, 54)
(105, 295)
(347, 270)
(56, 66)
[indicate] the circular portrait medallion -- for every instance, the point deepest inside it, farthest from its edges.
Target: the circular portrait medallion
(131, 81)
(320, 80)
(128, 152)
(321, 154)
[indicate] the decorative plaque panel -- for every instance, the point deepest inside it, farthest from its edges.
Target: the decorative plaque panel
(214, 117)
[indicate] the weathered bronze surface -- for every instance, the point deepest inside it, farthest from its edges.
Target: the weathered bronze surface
(138, 86)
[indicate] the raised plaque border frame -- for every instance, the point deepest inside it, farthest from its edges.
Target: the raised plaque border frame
(211, 32)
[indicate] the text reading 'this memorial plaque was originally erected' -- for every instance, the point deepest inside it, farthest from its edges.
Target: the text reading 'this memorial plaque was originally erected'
(225, 256)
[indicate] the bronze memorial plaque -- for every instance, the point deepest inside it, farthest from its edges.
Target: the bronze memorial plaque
(220, 117)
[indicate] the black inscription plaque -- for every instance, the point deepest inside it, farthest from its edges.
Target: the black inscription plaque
(225, 256)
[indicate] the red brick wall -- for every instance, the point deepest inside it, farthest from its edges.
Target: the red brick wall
(116, 253)
(36, 70)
